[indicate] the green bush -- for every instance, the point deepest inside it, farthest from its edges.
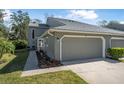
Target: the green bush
(6, 47)
(20, 44)
(116, 53)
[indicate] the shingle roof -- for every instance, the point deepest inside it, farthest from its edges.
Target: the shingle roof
(72, 25)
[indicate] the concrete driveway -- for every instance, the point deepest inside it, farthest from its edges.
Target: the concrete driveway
(100, 71)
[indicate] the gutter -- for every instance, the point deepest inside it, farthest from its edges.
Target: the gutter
(99, 33)
(61, 30)
(45, 33)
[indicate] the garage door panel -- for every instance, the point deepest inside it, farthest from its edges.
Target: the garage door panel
(117, 43)
(81, 48)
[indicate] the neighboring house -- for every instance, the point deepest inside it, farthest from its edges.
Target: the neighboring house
(64, 39)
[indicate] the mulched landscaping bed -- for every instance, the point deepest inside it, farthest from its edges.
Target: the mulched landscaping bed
(1, 61)
(46, 62)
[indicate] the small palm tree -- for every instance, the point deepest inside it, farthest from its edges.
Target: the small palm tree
(6, 47)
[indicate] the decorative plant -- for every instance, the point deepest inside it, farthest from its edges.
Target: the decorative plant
(6, 47)
(116, 53)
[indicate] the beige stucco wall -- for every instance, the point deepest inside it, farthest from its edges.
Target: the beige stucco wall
(50, 44)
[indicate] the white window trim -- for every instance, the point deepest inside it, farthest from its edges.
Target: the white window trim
(116, 38)
(79, 36)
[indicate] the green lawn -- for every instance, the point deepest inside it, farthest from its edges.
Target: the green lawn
(10, 73)
(121, 61)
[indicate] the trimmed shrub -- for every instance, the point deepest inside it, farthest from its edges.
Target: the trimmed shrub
(6, 47)
(116, 53)
(20, 44)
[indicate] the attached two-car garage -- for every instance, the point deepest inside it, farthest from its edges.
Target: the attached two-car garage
(82, 47)
(117, 42)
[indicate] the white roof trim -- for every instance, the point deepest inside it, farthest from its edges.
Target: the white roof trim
(45, 33)
(101, 33)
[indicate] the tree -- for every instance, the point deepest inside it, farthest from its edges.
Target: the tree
(6, 47)
(113, 24)
(20, 21)
(102, 23)
(1, 15)
(3, 32)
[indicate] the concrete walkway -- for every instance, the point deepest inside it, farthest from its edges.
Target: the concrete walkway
(31, 66)
(32, 62)
(42, 71)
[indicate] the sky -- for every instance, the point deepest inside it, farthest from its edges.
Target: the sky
(90, 16)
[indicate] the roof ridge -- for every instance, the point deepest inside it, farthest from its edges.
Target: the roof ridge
(71, 20)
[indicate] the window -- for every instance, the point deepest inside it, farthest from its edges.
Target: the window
(41, 43)
(33, 34)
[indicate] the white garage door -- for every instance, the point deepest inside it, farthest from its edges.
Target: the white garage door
(81, 48)
(117, 43)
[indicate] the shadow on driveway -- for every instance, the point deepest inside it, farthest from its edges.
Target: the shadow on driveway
(88, 61)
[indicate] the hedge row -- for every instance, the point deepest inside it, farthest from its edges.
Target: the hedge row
(116, 53)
